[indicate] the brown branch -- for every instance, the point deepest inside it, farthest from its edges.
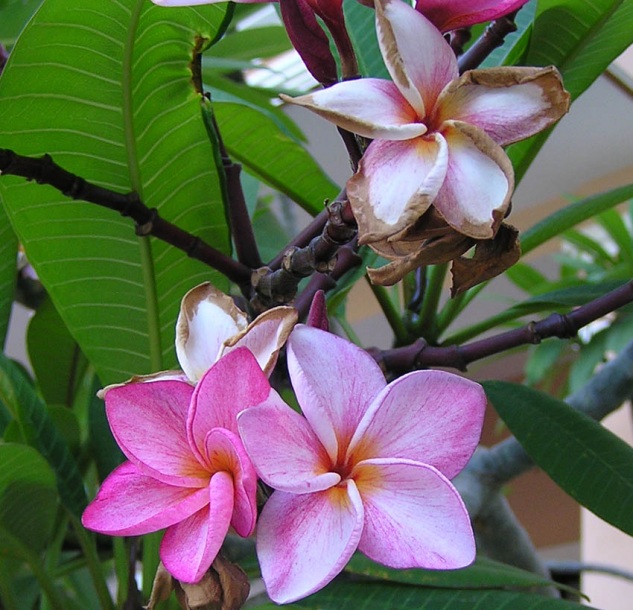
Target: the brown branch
(421, 355)
(280, 286)
(44, 170)
(494, 36)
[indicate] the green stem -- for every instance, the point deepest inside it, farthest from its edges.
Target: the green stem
(391, 312)
(427, 326)
(151, 559)
(89, 548)
(455, 306)
(7, 594)
(121, 565)
(461, 336)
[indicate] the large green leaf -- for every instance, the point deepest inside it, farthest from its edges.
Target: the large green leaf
(361, 24)
(256, 140)
(106, 88)
(590, 463)
(373, 595)
(581, 38)
(483, 574)
(39, 431)
(28, 497)
(15, 14)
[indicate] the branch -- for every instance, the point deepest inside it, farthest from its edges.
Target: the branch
(280, 286)
(148, 222)
(421, 355)
(494, 36)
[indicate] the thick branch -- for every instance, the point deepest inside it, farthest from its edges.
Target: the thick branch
(494, 36)
(280, 286)
(421, 355)
(148, 222)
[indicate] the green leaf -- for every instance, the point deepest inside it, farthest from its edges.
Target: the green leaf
(483, 574)
(253, 43)
(588, 245)
(28, 496)
(543, 360)
(256, 141)
(571, 215)
(613, 223)
(361, 25)
(54, 355)
(526, 277)
(15, 14)
(40, 432)
(114, 103)
(373, 595)
(591, 464)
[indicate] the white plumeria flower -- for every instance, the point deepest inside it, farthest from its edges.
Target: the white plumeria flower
(437, 136)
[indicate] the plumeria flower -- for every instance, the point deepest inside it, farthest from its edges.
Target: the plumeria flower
(437, 136)
(187, 470)
(366, 466)
(210, 325)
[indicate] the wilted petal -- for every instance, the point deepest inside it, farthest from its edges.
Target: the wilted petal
(432, 417)
(225, 453)
(414, 517)
(479, 182)
(370, 107)
(189, 547)
(233, 383)
(418, 58)
(449, 15)
(509, 104)
(334, 381)
(383, 205)
(266, 335)
(304, 541)
(207, 319)
(148, 421)
(130, 503)
(285, 451)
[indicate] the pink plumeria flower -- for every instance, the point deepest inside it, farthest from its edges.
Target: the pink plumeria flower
(449, 15)
(187, 470)
(367, 466)
(210, 325)
(437, 136)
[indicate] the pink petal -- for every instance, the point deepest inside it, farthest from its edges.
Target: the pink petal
(304, 541)
(291, 458)
(207, 318)
(148, 421)
(317, 316)
(130, 503)
(266, 335)
(479, 182)
(431, 417)
(234, 383)
(189, 547)
(509, 104)
(334, 382)
(225, 453)
(384, 206)
(449, 15)
(414, 517)
(199, 2)
(370, 107)
(418, 58)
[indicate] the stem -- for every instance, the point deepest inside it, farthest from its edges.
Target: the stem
(428, 314)
(89, 548)
(391, 312)
(455, 306)
(151, 559)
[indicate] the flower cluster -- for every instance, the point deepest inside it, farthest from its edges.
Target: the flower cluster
(366, 466)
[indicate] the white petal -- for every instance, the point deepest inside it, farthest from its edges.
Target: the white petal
(370, 107)
(479, 182)
(207, 319)
(420, 61)
(509, 104)
(383, 205)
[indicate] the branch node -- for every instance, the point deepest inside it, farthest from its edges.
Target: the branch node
(145, 229)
